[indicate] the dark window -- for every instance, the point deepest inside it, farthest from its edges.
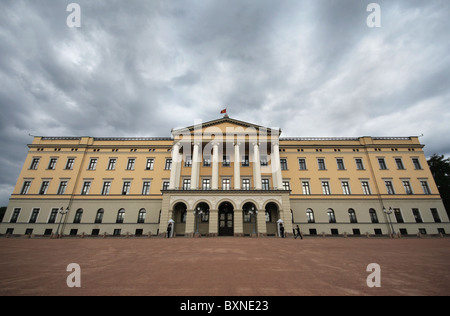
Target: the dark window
(99, 216)
(34, 215)
(78, 216)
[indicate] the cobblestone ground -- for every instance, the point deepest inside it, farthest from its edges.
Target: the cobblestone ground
(225, 266)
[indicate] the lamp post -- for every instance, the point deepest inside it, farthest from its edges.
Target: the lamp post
(253, 214)
(63, 212)
(389, 212)
(197, 213)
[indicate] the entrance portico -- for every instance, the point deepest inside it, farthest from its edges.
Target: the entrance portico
(228, 212)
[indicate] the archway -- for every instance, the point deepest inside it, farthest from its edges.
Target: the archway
(201, 219)
(226, 219)
(250, 224)
(272, 216)
(179, 216)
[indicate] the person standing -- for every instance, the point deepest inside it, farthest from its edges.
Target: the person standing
(281, 230)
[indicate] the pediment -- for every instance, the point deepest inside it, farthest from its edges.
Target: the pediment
(226, 126)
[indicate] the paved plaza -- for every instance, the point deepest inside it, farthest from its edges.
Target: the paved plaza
(225, 266)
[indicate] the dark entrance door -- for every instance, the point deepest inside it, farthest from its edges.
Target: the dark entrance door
(226, 219)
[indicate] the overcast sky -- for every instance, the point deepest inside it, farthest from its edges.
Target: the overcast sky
(141, 68)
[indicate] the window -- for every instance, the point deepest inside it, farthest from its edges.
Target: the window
(126, 188)
(226, 184)
(340, 163)
(245, 184)
(25, 187)
(306, 188)
(186, 184)
(245, 161)
(53, 215)
(34, 215)
(407, 186)
(120, 216)
(302, 163)
(150, 164)
(382, 164)
(399, 163)
(326, 187)
(389, 187)
(166, 185)
(99, 216)
(130, 164)
(168, 165)
(352, 215)
(146, 188)
(117, 232)
(365, 187)
(283, 162)
(141, 216)
(345, 188)
(70, 163)
(92, 164)
(78, 215)
(206, 184)
(86, 188)
(62, 187)
(436, 217)
(188, 161)
(15, 215)
(373, 216)
(359, 164)
(44, 187)
(331, 216)
(34, 163)
(268, 215)
(112, 164)
(106, 187)
(263, 161)
(417, 215)
(286, 186)
(416, 163)
(206, 161)
(321, 163)
(425, 187)
(398, 215)
(226, 161)
(265, 184)
(310, 216)
(52, 163)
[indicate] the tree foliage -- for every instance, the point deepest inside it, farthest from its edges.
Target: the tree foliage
(440, 168)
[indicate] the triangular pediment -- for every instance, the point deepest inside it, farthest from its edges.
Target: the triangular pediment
(226, 125)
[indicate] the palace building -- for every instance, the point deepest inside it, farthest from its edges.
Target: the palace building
(225, 178)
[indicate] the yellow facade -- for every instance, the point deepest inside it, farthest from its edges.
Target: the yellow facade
(228, 169)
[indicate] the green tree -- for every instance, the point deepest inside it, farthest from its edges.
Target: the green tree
(440, 168)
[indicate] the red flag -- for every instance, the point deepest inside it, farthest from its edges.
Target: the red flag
(224, 111)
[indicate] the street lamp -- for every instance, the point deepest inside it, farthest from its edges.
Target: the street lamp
(389, 212)
(253, 214)
(63, 212)
(197, 214)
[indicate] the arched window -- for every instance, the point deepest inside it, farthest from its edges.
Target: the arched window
(331, 216)
(78, 215)
(310, 216)
(120, 216)
(373, 216)
(204, 208)
(352, 215)
(141, 216)
(99, 216)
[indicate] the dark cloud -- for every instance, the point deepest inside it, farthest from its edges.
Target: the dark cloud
(140, 68)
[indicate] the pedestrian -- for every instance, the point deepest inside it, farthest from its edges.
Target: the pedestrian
(298, 233)
(169, 230)
(281, 230)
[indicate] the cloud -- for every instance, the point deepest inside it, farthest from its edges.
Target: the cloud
(140, 68)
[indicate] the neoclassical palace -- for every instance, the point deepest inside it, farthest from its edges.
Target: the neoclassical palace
(225, 178)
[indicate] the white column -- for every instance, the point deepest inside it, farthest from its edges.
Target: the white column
(256, 167)
(176, 164)
(276, 167)
(215, 167)
(195, 167)
(237, 167)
